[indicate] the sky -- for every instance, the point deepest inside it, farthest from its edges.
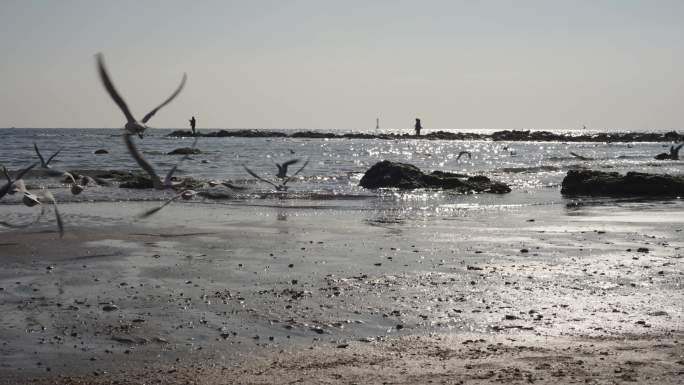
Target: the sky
(320, 64)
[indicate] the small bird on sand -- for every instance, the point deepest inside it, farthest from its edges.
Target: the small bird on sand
(132, 125)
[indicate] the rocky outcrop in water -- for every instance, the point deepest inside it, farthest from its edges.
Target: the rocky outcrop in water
(139, 180)
(407, 176)
(589, 182)
(232, 133)
(506, 135)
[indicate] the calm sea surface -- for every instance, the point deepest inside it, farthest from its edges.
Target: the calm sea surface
(533, 169)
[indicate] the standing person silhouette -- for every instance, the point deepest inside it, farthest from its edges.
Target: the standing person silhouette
(193, 122)
(418, 127)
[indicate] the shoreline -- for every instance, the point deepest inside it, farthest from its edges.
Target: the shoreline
(497, 136)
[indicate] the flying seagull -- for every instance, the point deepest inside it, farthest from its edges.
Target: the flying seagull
(282, 174)
(60, 225)
(132, 126)
(8, 186)
(185, 194)
(30, 200)
(43, 162)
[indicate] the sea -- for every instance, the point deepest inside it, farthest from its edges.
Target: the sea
(534, 170)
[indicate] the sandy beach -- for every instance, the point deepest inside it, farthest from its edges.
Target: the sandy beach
(285, 294)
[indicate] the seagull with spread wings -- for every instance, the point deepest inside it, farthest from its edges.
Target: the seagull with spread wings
(132, 125)
(282, 174)
(7, 187)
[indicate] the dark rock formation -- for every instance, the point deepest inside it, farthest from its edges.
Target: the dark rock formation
(139, 180)
(407, 176)
(506, 135)
(185, 151)
(129, 179)
(101, 151)
(314, 135)
(589, 182)
(232, 133)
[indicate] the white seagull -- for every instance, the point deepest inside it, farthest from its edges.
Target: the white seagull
(132, 126)
(282, 174)
(10, 183)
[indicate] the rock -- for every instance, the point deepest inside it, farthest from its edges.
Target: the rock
(137, 181)
(231, 133)
(505, 135)
(110, 308)
(185, 151)
(407, 176)
(642, 250)
(589, 182)
(313, 135)
(101, 151)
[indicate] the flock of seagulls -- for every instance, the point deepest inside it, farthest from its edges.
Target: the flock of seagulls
(133, 127)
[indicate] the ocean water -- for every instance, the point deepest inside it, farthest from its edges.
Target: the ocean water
(534, 170)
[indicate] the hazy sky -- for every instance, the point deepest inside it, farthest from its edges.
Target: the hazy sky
(340, 64)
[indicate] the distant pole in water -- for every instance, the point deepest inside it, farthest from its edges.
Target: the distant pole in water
(193, 122)
(418, 127)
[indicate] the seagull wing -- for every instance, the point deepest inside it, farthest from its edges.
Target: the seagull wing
(296, 172)
(252, 173)
(4, 189)
(156, 182)
(4, 171)
(169, 175)
(70, 177)
(290, 162)
(13, 226)
(104, 76)
(58, 216)
(282, 169)
(153, 211)
(21, 187)
(53, 155)
(167, 101)
(42, 161)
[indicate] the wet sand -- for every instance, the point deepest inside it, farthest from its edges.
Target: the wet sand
(251, 294)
